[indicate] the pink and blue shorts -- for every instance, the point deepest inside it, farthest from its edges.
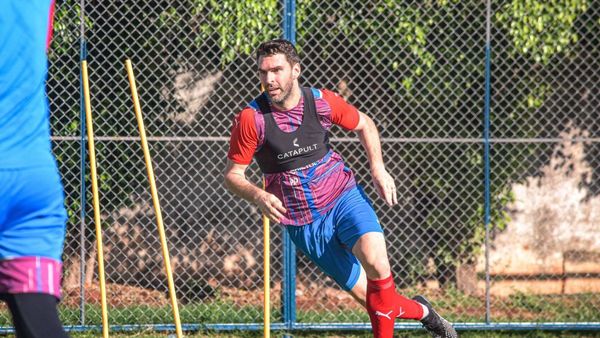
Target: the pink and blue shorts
(32, 230)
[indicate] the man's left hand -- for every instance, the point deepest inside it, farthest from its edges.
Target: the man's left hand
(386, 188)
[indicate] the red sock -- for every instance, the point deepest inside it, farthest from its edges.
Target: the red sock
(384, 305)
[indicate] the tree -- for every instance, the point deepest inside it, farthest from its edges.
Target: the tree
(416, 67)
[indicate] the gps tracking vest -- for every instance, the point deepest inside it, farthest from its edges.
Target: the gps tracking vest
(283, 151)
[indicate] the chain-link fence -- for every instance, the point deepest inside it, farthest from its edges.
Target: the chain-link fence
(418, 69)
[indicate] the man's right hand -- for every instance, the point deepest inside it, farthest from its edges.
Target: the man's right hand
(235, 180)
(270, 206)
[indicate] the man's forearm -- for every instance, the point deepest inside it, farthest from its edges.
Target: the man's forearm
(239, 185)
(369, 137)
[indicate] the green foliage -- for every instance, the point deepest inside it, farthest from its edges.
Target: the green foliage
(66, 22)
(394, 32)
(541, 29)
(414, 41)
(237, 26)
(431, 67)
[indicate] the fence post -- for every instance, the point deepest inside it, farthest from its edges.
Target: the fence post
(486, 156)
(289, 249)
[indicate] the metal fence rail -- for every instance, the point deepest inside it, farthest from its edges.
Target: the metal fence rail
(418, 68)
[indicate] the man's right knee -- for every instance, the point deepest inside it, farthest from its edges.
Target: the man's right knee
(379, 269)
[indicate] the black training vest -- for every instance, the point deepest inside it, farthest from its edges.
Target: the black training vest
(283, 151)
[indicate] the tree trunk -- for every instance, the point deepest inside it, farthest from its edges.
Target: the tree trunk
(72, 270)
(90, 264)
(466, 278)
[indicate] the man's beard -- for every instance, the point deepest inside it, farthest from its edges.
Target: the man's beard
(285, 94)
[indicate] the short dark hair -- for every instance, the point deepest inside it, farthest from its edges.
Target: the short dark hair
(278, 46)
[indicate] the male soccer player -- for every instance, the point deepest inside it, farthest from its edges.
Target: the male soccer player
(313, 194)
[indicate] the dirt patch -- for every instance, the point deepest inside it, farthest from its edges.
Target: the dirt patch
(117, 295)
(308, 297)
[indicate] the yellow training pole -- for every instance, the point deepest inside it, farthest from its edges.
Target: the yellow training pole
(159, 220)
(92, 151)
(267, 278)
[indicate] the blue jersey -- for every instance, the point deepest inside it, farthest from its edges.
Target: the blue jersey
(25, 29)
(32, 213)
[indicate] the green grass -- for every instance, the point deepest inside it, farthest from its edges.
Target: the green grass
(340, 334)
(519, 307)
(216, 312)
(219, 312)
(455, 306)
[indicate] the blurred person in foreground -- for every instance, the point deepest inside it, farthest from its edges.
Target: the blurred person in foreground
(32, 212)
(311, 191)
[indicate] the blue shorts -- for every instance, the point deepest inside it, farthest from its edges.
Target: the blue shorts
(328, 241)
(32, 213)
